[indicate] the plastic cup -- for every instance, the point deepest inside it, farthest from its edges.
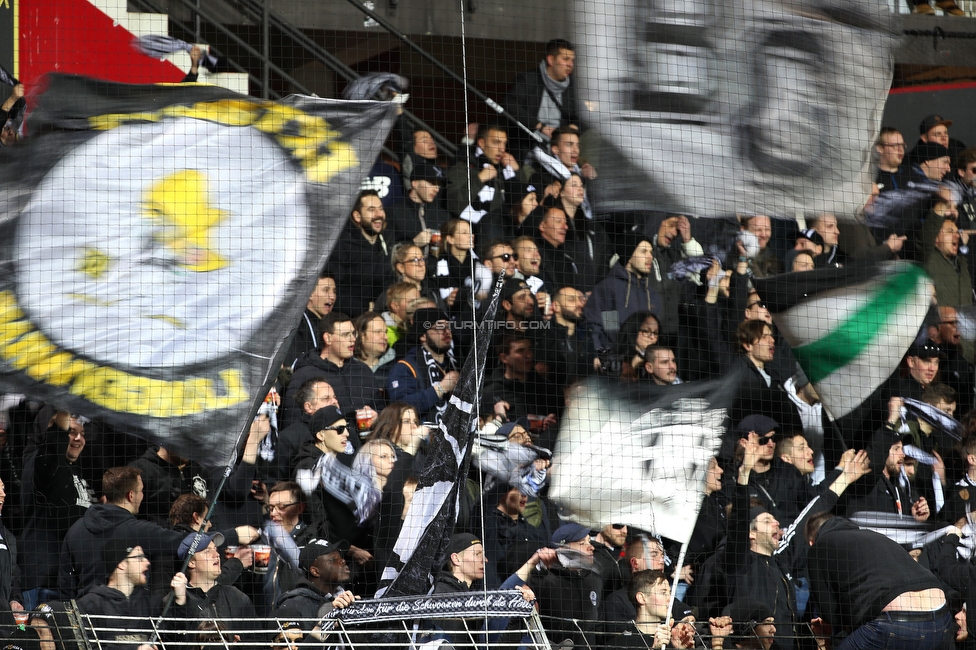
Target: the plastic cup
(262, 555)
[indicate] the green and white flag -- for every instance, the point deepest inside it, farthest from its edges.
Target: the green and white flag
(849, 328)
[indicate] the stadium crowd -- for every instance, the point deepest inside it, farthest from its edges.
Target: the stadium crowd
(658, 299)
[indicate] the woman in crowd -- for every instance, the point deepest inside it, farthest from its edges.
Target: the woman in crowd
(452, 274)
(522, 200)
(640, 331)
(372, 346)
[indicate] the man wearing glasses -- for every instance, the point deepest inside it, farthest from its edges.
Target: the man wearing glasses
(126, 594)
(334, 361)
(419, 214)
(892, 174)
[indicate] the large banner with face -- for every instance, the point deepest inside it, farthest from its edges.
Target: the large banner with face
(159, 244)
(719, 108)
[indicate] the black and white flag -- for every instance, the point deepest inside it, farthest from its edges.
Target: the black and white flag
(158, 244)
(639, 457)
(421, 547)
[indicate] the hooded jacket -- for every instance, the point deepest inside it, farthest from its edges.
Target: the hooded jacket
(164, 482)
(953, 283)
(621, 293)
(81, 553)
(353, 383)
(572, 596)
(304, 601)
(103, 603)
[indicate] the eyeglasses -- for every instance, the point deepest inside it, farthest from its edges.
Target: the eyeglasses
(341, 429)
(618, 526)
(506, 257)
(758, 303)
(345, 335)
(765, 440)
(282, 507)
(648, 332)
(415, 260)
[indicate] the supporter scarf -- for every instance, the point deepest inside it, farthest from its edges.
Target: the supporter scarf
(350, 487)
(435, 372)
(556, 167)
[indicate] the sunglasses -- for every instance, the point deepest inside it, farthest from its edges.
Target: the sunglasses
(341, 429)
(765, 440)
(506, 257)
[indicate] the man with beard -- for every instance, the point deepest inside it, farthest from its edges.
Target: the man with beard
(321, 590)
(476, 192)
(570, 590)
(886, 453)
(567, 348)
(428, 374)
(626, 289)
(419, 213)
(360, 261)
(661, 367)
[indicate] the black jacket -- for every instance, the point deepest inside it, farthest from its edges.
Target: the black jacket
(855, 573)
(765, 578)
(60, 496)
(164, 482)
(304, 601)
(103, 604)
(523, 101)
(361, 270)
(353, 383)
(568, 594)
(81, 564)
(403, 219)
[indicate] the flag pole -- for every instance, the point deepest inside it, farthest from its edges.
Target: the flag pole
(677, 576)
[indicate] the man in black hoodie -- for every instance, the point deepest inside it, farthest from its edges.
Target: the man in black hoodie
(334, 361)
(868, 588)
(322, 591)
(126, 569)
(81, 553)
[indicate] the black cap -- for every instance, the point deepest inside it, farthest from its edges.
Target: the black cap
(628, 243)
(746, 615)
(115, 550)
(426, 318)
(424, 171)
(324, 418)
(925, 151)
(318, 547)
(928, 349)
(511, 287)
(761, 424)
(461, 542)
(932, 121)
(811, 235)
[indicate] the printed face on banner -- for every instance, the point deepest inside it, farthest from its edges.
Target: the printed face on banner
(733, 107)
(172, 267)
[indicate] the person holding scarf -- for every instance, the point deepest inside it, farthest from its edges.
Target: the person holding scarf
(426, 377)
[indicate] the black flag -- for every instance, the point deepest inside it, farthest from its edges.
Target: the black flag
(423, 540)
(158, 245)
